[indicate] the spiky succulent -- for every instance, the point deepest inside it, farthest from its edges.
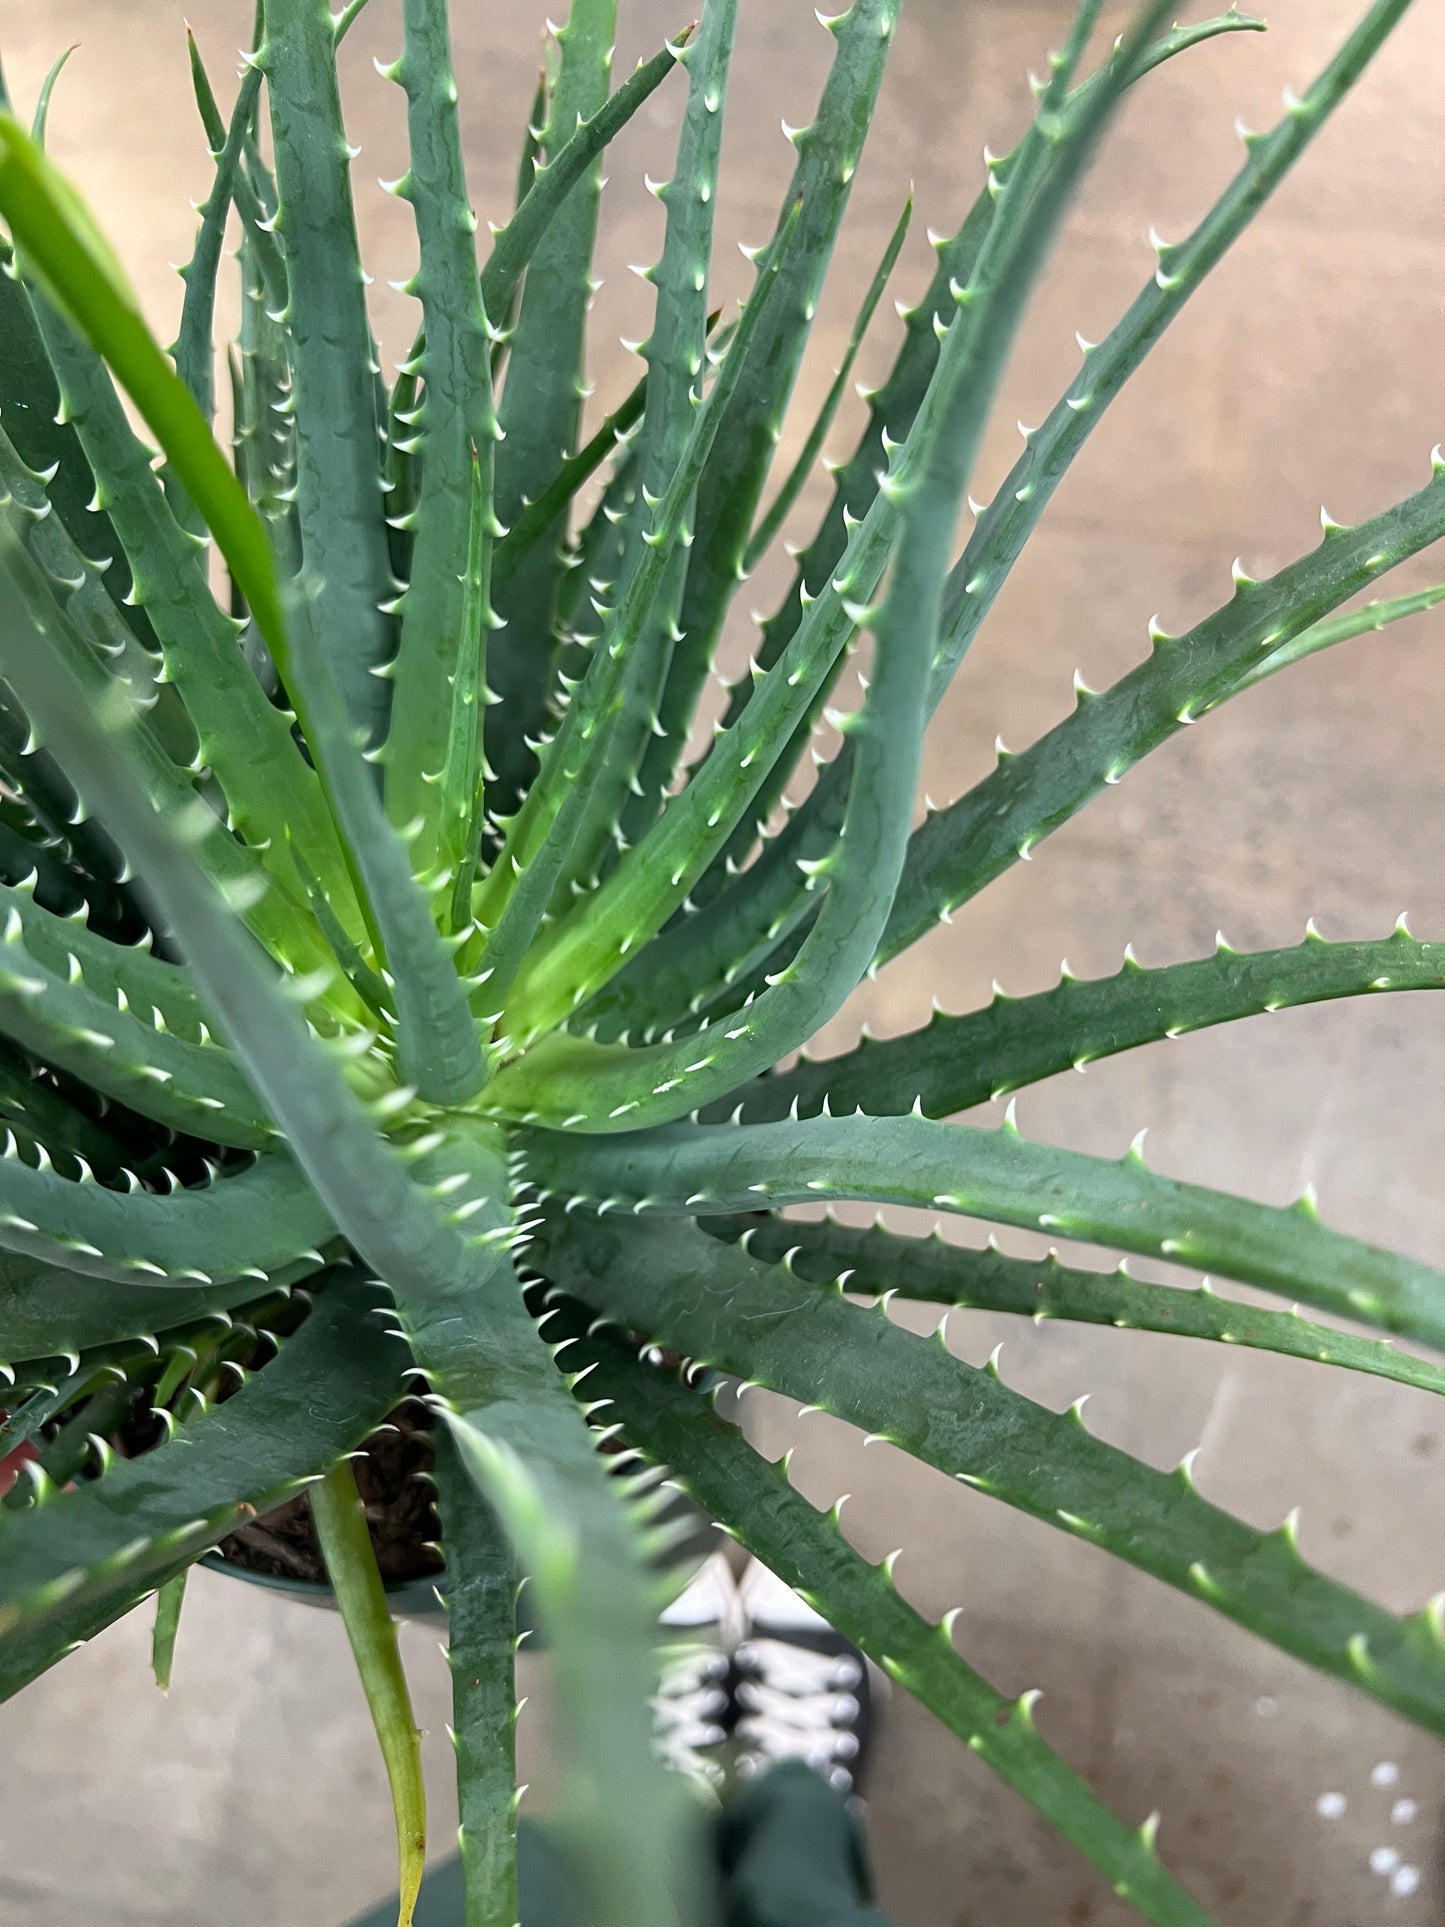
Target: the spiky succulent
(366, 928)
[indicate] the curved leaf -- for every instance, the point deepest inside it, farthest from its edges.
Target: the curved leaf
(119, 1044)
(882, 1264)
(769, 1327)
(540, 408)
(250, 1226)
(521, 1436)
(1001, 1177)
(480, 1593)
(859, 878)
(717, 953)
(455, 433)
(757, 1505)
(333, 362)
(71, 1566)
(50, 1315)
(345, 1541)
(956, 1062)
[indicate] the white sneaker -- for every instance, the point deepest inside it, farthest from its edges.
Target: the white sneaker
(692, 1709)
(801, 1691)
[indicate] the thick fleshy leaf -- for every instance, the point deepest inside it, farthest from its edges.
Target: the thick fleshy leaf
(753, 1500)
(50, 1315)
(828, 151)
(520, 1434)
(858, 879)
(513, 900)
(455, 433)
(540, 410)
(1003, 1178)
(933, 1271)
(770, 1327)
(71, 1566)
(333, 363)
(674, 353)
(752, 925)
(521, 1438)
(346, 1547)
(480, 1591)
(956, 1062)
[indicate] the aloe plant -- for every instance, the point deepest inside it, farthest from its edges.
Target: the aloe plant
(390, 1007)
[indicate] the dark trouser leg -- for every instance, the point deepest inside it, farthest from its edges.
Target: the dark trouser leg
(546, 1895)
(790, 1855)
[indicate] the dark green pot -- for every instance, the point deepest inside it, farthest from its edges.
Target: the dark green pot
(417, 1598)
(414, 1597)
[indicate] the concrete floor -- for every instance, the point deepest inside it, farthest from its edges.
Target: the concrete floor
(1309, 369)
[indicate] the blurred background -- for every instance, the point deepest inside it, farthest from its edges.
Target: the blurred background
(1308, 369)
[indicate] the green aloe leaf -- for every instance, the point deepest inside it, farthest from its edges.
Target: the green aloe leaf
(333, 1135)
(480, 1591)
(58, 238)
(439, 1048)
(763, 536)
(1014, 513)
(730, 946)
(110, 1035)
(675, 353)
(540, 410)
(521, 1436)
(335, 929)
(523, 1442)
(755, 1502)
(529, 162)
(953, 1063)
(857, 881)
(345, 1541)
(169, 1601)
(589, 588)
(461, 799)
(933, 1271)
(1003, 1178)
(30, 411)
(241, 180)
(558, 173)
(511, 903)
(891, 410)
(249, 1226)
(1367, 620)
(769, 1327)
(77, 845)
(541, 513)
(456, 433)
(66, 1124)
(79, 1446)
(70, 1567)
(1003, 818)
(78, 586)
(58, 1381)
(345, 20)
(333, 365)
(754, 929)
(32, 861)
(728, 496)
(193, 351)
(29, 407)
(50, 1313)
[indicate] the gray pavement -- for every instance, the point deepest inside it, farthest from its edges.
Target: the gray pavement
(1308, 370)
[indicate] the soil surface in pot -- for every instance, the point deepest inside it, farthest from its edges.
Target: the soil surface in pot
(400, 1511)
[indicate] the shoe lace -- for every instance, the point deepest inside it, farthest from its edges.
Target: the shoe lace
(797, 1704)
(687, 1710)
